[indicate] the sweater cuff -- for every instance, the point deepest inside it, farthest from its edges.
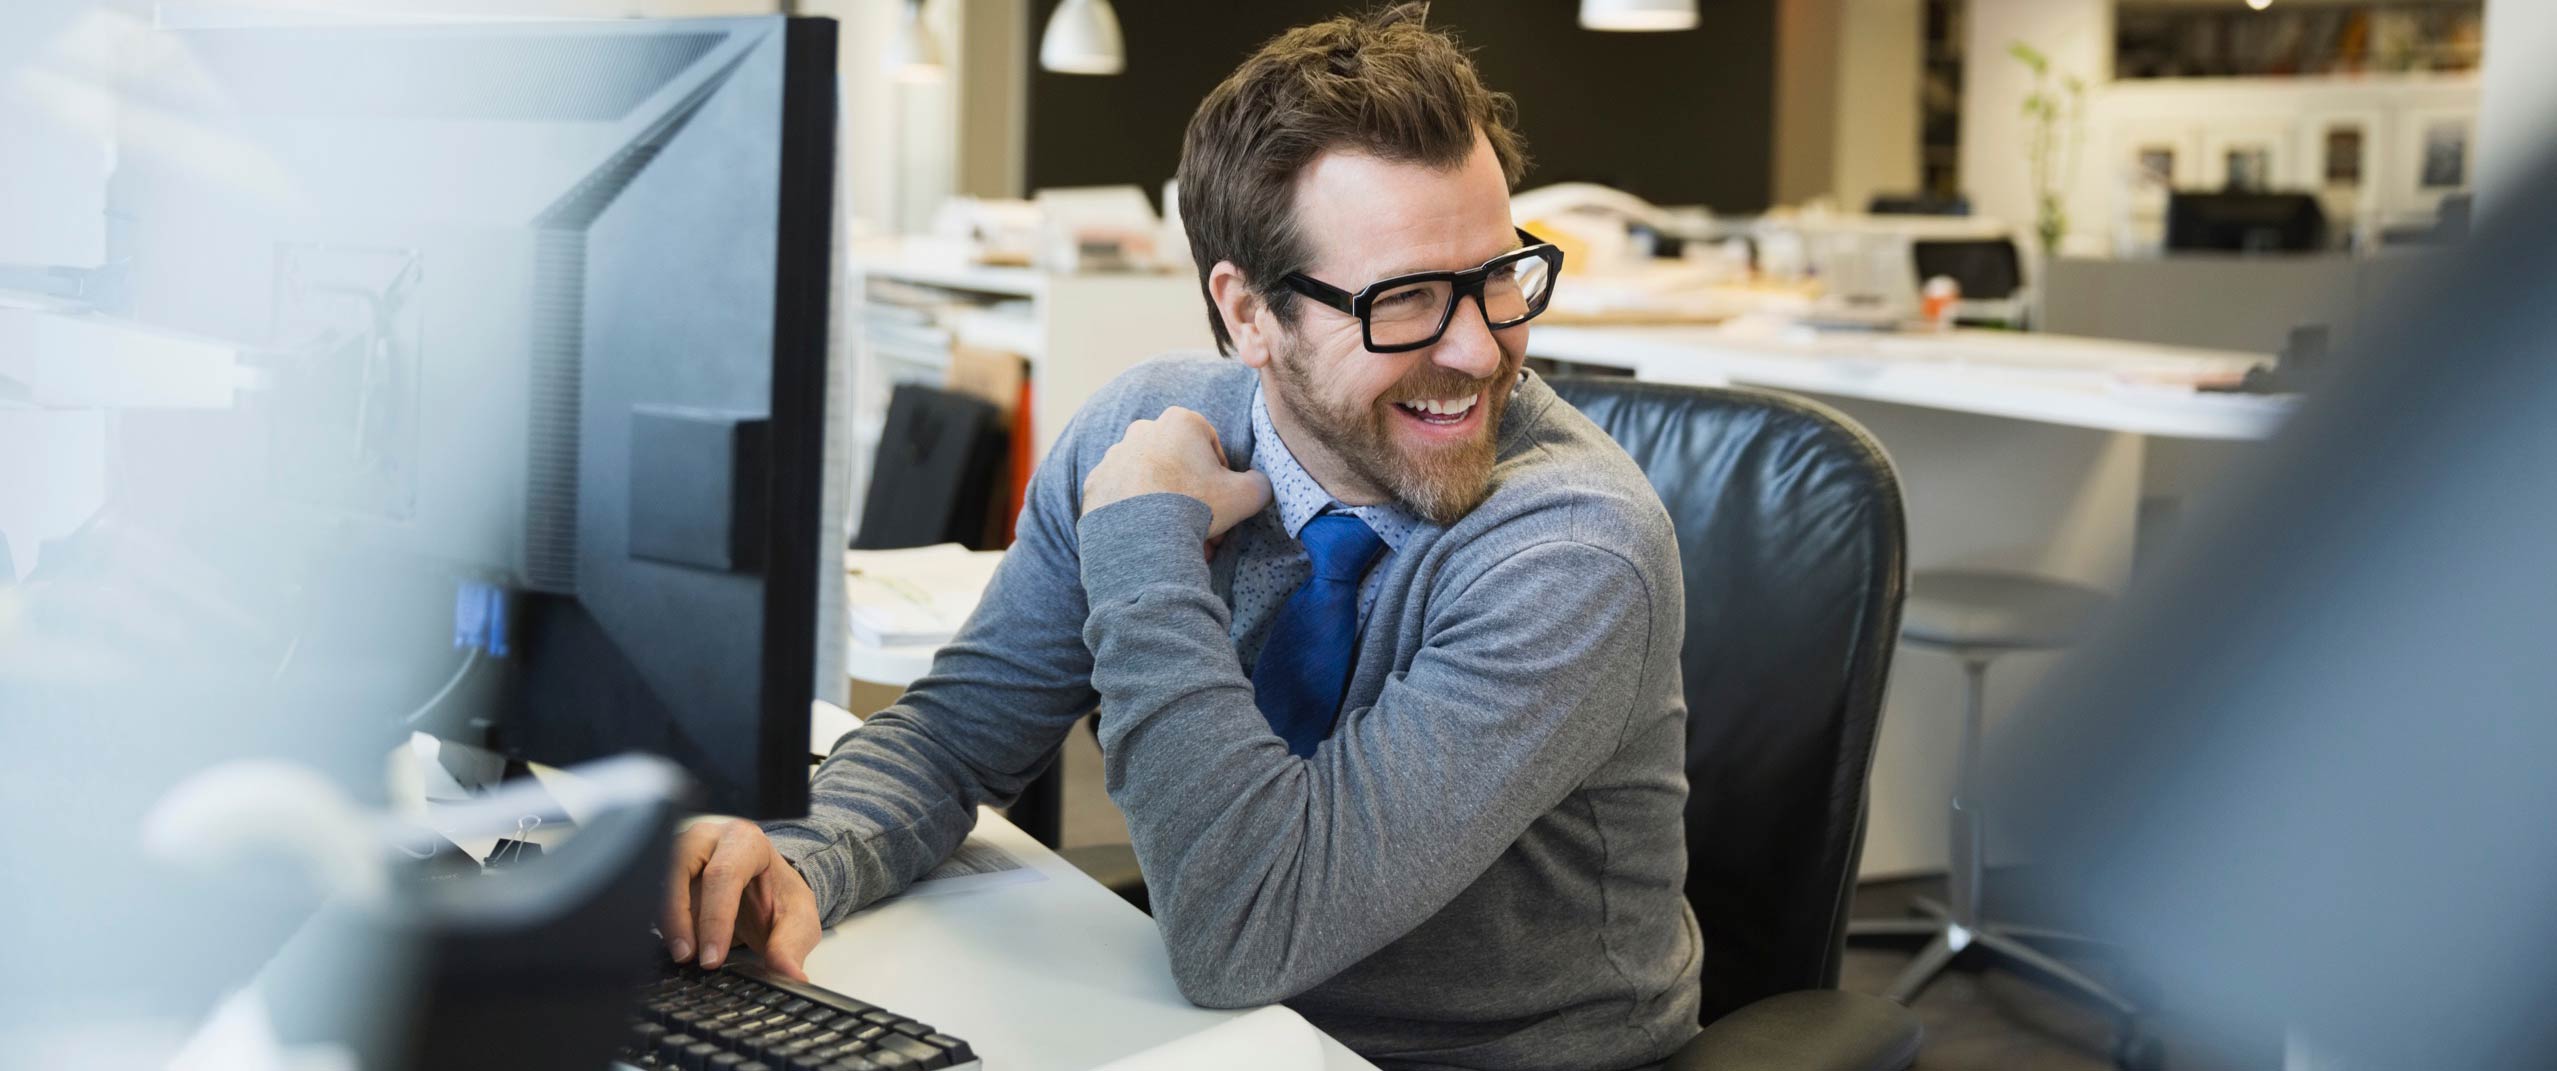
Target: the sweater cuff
(1136, 543)
(828, 873)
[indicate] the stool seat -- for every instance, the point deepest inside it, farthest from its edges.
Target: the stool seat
(1961, 608)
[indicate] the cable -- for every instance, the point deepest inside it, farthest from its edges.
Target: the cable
(470, 658)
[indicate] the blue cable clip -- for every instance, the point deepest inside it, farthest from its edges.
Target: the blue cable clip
(479, 618)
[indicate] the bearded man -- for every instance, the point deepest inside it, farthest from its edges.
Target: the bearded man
(1383, 635)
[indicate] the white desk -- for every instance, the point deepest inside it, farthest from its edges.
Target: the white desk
(1052, 975)
(2042, 453)
(2079, 382)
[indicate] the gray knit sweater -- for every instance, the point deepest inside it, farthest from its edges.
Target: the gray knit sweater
(1480, 869)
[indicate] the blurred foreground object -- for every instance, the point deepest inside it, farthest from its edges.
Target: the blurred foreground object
(418, 967)
(2303, 775)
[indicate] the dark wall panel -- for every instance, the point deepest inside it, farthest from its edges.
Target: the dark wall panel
(1676, 118)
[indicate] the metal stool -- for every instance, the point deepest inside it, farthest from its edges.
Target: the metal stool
(1977, 616)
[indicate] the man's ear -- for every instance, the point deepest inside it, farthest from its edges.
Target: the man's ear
(1244, 312)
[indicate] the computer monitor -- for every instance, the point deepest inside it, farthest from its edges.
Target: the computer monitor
(1918, 204)
(1988, 269)
(540, 314)
(2244, 222)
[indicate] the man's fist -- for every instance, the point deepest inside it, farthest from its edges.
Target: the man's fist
(731, 886)
(1177, 452)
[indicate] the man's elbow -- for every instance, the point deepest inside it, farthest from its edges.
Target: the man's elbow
(1225, 975)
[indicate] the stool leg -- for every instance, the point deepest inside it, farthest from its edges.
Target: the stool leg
(1929, 965)
(1968, 828)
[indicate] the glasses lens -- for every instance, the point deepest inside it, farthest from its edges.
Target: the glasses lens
(1407, 314)
(1517, 290)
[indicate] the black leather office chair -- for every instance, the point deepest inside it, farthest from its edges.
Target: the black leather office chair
(1791, 538)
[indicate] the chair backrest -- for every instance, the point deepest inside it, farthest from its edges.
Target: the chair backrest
(932, 479)
(1791, 538)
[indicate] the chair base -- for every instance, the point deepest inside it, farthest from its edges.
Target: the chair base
(1948, 940)
(2135, 1048)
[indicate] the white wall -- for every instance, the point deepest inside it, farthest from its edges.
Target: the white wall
(2517, 107)
(1878, 80)
(1846, 99)
(2078, 36)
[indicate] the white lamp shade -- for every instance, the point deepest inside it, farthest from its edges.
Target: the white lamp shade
(1083, 38)
(1637, 14)
(913, 55)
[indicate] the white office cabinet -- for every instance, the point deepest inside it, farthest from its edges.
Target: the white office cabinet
(1075, 331)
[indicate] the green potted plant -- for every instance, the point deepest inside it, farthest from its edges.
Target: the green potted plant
(2058, 125)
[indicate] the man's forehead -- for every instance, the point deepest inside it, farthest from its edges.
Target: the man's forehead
(1360, 212)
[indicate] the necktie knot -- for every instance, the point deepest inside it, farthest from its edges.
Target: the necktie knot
(1340, 546)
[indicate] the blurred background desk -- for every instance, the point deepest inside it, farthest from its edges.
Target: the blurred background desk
(2062, 456)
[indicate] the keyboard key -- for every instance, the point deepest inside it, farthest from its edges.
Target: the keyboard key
(821, 1016)
(924, 1056)
(892, 1060)
(836, 1051)
(882, 1017)
(697, 1056)
(959, 1051)
(726, 1061)
(828, 1037)
(869, 1033)
(913, 1029)
(670, 1048)
(795, 1005)
(854, 1063)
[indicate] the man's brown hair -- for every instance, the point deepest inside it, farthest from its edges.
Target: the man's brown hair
(1382, 84)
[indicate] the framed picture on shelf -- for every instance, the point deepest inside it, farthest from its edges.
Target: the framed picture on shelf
(2343, 158)
(2445, 155)
(2435, 157)
(2343, 150)
(2249, 155)
(2148, 160)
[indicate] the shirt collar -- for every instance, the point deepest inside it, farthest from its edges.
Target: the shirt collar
(1301, 498)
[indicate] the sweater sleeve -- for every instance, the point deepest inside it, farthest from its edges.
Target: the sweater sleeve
(898, 796)
(1270, 873)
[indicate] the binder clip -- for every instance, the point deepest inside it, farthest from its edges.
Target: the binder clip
(516, 850)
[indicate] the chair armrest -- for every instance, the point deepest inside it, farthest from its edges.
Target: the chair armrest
(1806, 1030)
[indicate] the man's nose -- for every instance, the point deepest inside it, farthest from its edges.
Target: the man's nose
(1468, 346)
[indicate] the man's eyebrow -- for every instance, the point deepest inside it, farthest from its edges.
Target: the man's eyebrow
(1515, 244)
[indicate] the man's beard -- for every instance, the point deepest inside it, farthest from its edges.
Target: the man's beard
(1441, 485)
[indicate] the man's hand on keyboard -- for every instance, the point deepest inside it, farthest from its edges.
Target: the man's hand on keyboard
(731, 886)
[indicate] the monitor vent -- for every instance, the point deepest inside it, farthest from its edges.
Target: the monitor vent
(557, 392)
(558, 364)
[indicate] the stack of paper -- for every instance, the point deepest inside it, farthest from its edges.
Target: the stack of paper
(913, 597)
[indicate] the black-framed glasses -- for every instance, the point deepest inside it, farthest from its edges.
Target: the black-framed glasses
(1408, 312)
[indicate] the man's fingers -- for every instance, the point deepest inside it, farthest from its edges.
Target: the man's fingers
(735, 862)
(1235, 496)
(794, 925)
(675, 921)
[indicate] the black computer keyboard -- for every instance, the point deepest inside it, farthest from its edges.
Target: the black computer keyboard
(744, 1018)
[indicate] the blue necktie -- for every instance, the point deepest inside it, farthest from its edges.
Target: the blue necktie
(1305, 664)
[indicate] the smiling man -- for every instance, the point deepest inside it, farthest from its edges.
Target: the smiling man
(1383, 635)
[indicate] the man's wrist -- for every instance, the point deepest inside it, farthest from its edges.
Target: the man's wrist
(1149, 539)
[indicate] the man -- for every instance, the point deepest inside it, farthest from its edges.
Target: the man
(1402, 747)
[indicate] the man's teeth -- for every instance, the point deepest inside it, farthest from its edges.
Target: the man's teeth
(1440, 406)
